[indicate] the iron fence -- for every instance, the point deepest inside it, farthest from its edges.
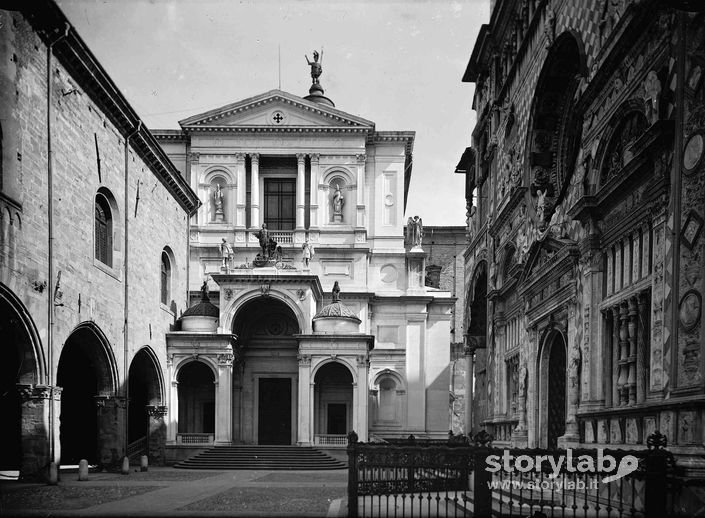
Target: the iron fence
(471, 478)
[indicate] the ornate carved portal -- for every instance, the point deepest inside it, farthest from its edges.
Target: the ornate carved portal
(556, 401)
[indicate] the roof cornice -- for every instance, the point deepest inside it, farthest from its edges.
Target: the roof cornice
(49, 21)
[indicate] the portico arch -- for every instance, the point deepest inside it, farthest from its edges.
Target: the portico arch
(235, 307)
(87, 373)
(333, 399)
(266, 377)
(196, 395)
(146, 388)
(21, 365)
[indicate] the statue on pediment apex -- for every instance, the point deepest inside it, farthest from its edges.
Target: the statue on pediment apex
(316, 66)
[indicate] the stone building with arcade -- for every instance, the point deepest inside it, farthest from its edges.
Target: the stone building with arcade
(586, 202)
(317, 319)
(93, 255)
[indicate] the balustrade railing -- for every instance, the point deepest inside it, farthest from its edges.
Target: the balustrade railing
(330, 440)
(282, 237)
(194, 438)
(463, 479)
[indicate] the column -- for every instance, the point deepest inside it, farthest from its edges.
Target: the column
(469, 355)
(223, 400)
(616, 386)
(360, 219)
(241, 190)
(254, 191)
(157, 434)
(360, 394)
(571, 430)
(631, 328)
(36, 401)
(300, 190)
(303, 435)
(173, 421)
(315, 222)
(642, 350)
(623, 354)
(111, 429)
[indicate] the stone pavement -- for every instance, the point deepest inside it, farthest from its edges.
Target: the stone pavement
(182, 493)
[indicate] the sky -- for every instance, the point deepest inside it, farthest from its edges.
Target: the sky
(398, 63)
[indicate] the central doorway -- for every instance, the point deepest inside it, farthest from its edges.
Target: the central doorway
(265, 381)
(274, 411)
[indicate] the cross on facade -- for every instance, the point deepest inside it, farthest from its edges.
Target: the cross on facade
(278, 117)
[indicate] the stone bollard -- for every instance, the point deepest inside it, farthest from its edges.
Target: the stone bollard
(144, 463)
(53, 474)
(83, 469)
(125, 466)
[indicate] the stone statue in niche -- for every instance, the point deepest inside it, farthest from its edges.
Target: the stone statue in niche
(414, 232)
(226, 253)
(307, 253)
(218, 204)
(316, 66)
(335, 293)
(652, 94)
(338, 202)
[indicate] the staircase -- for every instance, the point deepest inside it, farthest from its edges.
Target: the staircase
(262, 457)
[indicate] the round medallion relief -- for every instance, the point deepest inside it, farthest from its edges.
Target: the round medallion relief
(693, 153)
(690, 309)
(388, 273)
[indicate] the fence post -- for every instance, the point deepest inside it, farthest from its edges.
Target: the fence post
(352, 475)
(412, 466)
(482, 495)
(655, 483)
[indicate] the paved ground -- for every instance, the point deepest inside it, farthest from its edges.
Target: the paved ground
(181, 493)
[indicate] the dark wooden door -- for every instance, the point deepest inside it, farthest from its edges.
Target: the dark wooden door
(556, 392)
(337, 419)
(274, 411)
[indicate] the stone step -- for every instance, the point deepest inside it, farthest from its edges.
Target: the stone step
(262, 457)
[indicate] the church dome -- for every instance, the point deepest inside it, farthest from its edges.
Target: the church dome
(201, 317)
(336, 318)
(315, 94)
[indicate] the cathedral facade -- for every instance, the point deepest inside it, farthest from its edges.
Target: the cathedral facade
(586, 198)
(321, 322)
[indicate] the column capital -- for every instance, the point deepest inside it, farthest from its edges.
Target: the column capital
(240, 157)
(254, 157)
(314, 157)
(30, 392)
(300, 157)
(226, 360)
(157, 411)
(361, 159)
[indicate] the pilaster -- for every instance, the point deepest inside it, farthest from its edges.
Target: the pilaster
(361, 214)
(254, 191)
(315, 172)
(300, 190)
(241, 191)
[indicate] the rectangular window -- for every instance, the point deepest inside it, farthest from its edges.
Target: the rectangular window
(280, 203)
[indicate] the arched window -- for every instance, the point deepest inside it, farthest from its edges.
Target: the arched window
(103, 230)
(165, 285)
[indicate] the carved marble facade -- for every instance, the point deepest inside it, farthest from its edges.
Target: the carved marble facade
(594, 254)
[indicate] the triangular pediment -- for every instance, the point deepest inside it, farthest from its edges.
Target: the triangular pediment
(276, 110)
(545, 253)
